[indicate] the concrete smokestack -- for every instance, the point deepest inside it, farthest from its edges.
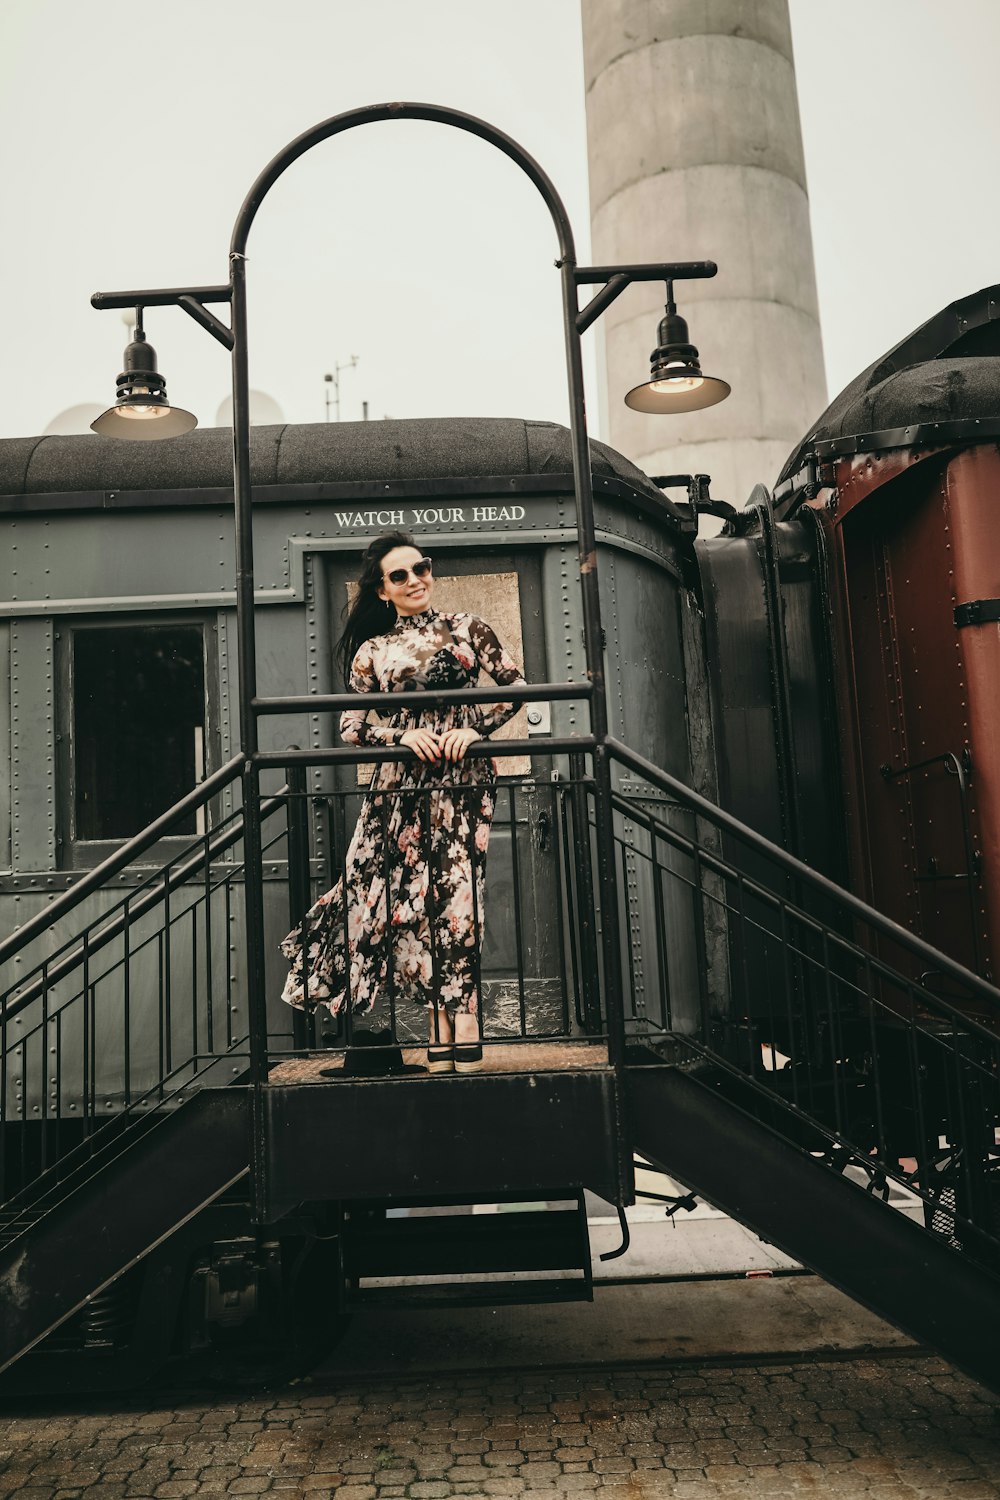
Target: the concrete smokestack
(696, 154)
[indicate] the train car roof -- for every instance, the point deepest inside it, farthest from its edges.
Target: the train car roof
(939, 385)
(339, 456)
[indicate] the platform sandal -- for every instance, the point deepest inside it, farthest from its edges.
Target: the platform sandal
(468, 1057)
(440, 1059)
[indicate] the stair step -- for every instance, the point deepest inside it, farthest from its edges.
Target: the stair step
(468, 1244)
(502, 1292)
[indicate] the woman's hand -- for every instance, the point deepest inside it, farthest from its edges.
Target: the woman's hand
(424, 743)
(455, 742)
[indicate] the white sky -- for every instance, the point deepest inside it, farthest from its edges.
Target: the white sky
(130, 134)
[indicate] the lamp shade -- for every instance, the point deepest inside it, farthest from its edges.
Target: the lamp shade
(141, 412)
(682, 390)
(676, 382)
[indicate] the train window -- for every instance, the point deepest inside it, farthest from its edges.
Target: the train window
(138, 726)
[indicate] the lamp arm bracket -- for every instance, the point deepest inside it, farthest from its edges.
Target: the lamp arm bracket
(678, 270)
(164, 297)
(213, 325)
(601, 301)
(617, 278)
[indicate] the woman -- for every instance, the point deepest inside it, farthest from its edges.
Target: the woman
(425, 824)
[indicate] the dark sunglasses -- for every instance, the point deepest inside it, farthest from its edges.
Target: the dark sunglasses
(420, 569)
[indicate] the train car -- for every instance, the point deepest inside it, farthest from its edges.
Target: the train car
(119, 635)
(900, 474)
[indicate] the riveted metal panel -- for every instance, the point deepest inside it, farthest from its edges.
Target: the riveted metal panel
(6, 747)
(33, 815)
(226, 676)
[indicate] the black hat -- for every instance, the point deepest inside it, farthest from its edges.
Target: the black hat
(372, 1054)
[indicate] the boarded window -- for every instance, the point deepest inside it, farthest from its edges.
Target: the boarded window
(138, 726)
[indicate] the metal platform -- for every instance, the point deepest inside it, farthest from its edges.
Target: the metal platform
(539, 1119)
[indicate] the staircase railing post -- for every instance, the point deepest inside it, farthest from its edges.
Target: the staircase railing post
(593, 639)
(584, 886)
(256, 988)
(247, 670)
(299, 890)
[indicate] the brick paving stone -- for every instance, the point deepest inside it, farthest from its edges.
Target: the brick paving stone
(907, 1428)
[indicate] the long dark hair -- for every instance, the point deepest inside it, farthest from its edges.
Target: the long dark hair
(369, 615)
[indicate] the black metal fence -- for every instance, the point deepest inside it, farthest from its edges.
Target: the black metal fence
(526, 947)
(108, 1021)
(119, 1015)
(844, 1032)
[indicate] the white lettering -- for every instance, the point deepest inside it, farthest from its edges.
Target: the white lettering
(431, 516)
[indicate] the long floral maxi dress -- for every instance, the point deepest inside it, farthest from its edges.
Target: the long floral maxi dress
(423, 832)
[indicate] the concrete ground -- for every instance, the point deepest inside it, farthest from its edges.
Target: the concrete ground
(654, 1390)
(626, 1323)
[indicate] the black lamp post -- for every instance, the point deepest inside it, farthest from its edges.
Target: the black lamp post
(612, 280)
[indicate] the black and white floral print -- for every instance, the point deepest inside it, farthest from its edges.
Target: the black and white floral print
(406, 919)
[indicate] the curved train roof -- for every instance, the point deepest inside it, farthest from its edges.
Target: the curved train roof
(941, 384)
(341, 453)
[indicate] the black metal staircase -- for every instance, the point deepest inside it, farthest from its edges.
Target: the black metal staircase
(779, 1031)
(128, 1201)
(837, 1050)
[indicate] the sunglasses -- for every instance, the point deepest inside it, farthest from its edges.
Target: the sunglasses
(420, 569)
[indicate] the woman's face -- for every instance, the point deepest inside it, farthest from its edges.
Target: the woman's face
(413, 594)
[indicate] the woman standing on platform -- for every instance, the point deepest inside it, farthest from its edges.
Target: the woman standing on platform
(424, 828)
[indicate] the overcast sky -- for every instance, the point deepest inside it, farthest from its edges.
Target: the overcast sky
(130, 135)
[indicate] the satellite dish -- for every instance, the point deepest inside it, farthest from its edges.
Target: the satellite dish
(264, 411)
(74, 420)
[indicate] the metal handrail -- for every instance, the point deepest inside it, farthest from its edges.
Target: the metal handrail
(532, 692)
(119, 1128)
(875, 919)
(820, 1094)
(716, 865)
(130, 910)
(376, 754)
(122, 857)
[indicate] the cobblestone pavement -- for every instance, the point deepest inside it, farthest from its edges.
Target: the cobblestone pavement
(888, 1428)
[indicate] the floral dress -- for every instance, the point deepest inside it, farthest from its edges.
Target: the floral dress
(405, 921)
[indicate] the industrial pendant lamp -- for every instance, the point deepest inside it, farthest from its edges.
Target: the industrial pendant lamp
(676, 382)
(141, 412)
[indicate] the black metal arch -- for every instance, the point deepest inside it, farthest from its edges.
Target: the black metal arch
(250, 707)
(192, 300)
(438, 114)
(325, 130)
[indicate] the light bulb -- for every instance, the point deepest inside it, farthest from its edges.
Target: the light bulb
(141, 413)
(678, 382)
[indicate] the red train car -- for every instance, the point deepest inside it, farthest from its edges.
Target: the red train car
(903, 471)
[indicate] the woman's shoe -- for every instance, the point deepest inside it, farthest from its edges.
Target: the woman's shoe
(440, 1059)
(468, 1057)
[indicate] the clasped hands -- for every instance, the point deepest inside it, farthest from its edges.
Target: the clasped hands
(451, 744)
